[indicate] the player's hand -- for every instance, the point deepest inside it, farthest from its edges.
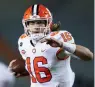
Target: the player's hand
(17, 75)
(54, 42)
(12, 69)
(17, 67)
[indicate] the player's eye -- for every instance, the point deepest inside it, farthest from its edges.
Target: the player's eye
(36, 22)
(30, 22)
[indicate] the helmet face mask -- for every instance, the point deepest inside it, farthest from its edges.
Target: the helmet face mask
(37, 24)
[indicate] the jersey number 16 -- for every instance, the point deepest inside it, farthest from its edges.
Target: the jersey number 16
(38, 70)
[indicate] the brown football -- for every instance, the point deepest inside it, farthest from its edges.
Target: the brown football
(17, 65)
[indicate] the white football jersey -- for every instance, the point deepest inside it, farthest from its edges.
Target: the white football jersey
(47, 68)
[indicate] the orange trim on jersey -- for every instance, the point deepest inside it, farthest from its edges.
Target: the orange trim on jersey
(23, 36)
(58, 53)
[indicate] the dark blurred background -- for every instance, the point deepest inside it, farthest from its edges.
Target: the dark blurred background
(76, 16)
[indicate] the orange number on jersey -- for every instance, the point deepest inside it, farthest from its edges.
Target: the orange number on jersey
(66, 36)
(38, 69)
(29, 69)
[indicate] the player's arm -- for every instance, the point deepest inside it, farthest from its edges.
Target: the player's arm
(83, 52)
(69, 48)
(17, 66)
(80, 51)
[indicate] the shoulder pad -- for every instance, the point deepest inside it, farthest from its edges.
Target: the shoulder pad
(23, 36)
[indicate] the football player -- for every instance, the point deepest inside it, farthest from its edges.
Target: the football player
(47, 54)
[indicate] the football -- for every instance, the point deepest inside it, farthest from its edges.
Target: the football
(17, 65)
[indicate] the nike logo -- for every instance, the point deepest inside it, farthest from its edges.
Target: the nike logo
(43, 50)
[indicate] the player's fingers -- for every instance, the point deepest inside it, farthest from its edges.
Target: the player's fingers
(14, 73)
(53, 40)
(18, 75)
(57, 41)
(49, 40)
(10, 64)
(43, 40)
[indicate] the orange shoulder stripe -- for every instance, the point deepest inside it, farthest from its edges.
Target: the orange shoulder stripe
(23, 36)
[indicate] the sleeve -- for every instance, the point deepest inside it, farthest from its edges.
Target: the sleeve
(65, 36)
(20, 46)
